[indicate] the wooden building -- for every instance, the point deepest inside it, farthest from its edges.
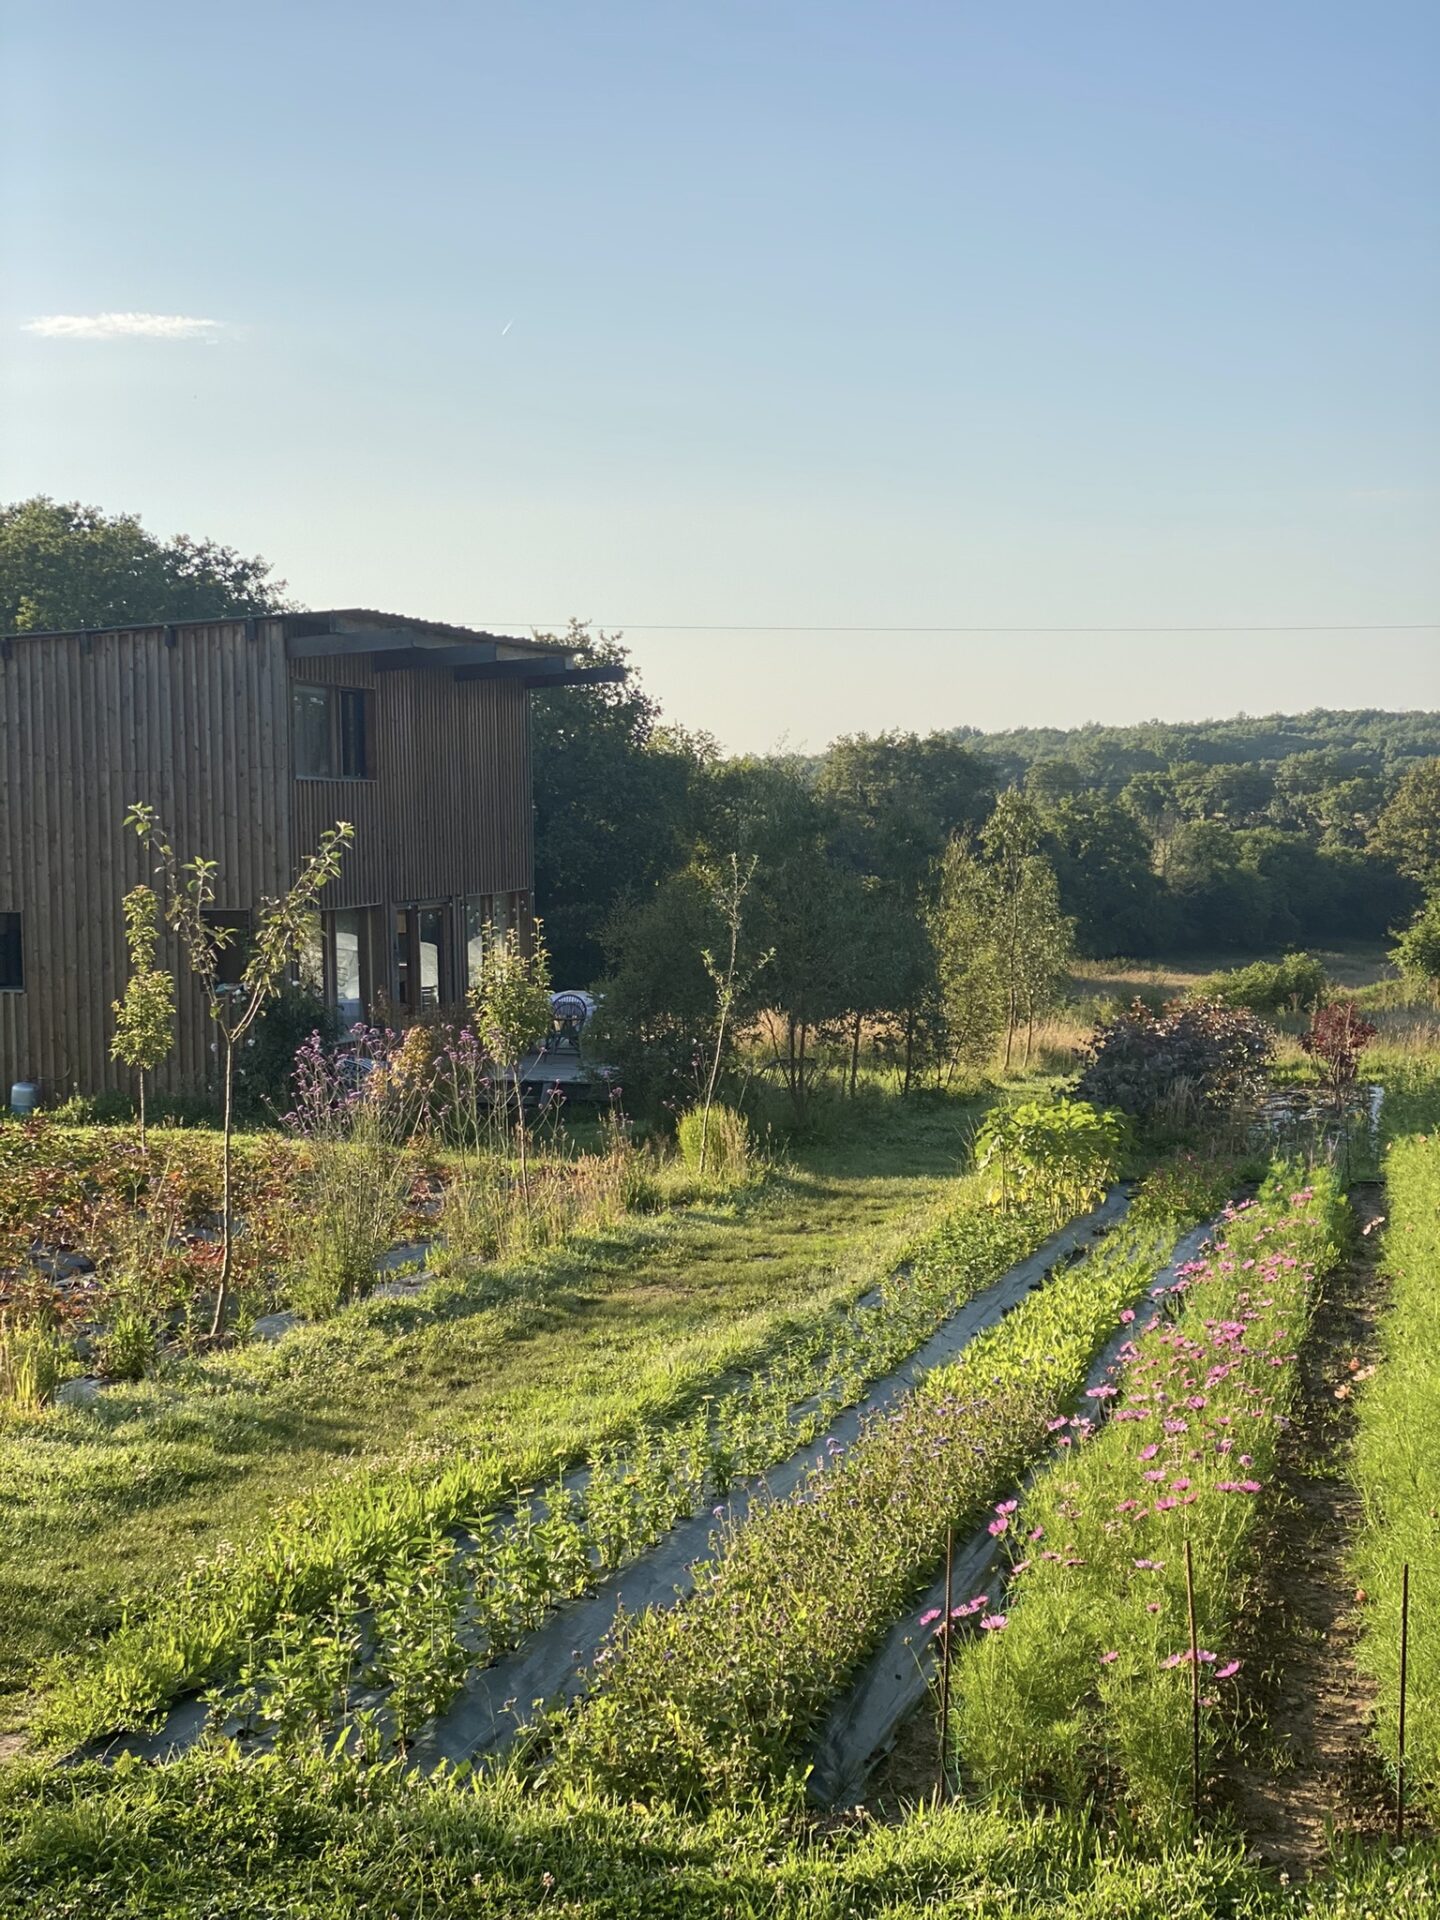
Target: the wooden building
(250, 738)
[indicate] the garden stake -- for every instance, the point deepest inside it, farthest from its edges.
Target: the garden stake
(942, 1786)
(1194, 1683)
(1404, 1677)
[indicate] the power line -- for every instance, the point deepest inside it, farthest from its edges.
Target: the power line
(684, 626)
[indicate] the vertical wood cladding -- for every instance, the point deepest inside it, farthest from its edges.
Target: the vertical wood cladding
(89, 724)
(198, 724)
(447, 812)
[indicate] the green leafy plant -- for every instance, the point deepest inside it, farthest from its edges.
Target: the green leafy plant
(1294, 984)
(145, 1014)
(1056, 1157)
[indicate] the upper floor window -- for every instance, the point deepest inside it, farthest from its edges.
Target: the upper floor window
(12, 955)
(233, 951)
(330, 732)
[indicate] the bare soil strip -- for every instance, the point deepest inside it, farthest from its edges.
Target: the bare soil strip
(1304, 1769)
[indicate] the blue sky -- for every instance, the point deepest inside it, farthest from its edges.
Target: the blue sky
(1064, 314)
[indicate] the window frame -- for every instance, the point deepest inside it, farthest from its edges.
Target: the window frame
(349, 714)
(17, 933)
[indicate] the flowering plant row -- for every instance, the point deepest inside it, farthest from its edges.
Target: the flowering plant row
(1089, 1681)
(709, 1701)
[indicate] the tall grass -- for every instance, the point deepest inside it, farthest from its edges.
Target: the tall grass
(1396, 1465)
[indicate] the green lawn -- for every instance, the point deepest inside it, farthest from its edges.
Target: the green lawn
(539, 1360)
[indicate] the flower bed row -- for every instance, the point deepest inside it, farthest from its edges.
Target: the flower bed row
(1397, 1468)
(708, 1701)
(238, 1625)
(1085, 1679)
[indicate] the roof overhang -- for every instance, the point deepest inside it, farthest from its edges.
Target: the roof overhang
(537, 675)
(402, 646)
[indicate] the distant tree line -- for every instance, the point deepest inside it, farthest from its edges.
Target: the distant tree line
(1148, 856)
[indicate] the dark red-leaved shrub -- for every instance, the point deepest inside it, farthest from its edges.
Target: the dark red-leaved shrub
(1193, 1057)
(1339, 1033)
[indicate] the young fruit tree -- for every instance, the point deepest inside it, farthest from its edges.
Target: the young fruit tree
(145, 1012)
(511, 1005)
(728, 887)
(281, 926)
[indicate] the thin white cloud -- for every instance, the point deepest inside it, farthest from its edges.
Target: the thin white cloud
(124, 326)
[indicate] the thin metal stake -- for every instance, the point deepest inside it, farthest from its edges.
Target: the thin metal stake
(943, 1784)
(1194, 1684)
(1404, 1679)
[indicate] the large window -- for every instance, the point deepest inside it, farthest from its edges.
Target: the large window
(487, 915)
(422, 961)
(331, 963)
(12, 955)
(330, 731)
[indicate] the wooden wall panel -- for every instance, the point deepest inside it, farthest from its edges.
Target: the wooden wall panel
(448, 811)
(89, 724)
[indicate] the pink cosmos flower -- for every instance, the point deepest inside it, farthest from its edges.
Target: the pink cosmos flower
(1107, 1658)
(994, 1623)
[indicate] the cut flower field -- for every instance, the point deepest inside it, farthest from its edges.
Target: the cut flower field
(335, 1627)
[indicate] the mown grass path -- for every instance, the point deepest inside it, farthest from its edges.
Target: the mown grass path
(99, 1507)
(1305, 1768)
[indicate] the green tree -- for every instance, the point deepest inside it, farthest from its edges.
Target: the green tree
(1102, 861)
(961, 928)
(66, 566)
(145, 1013)
(618, 799)
(805, 907)
(1417, 951)
(1408, 831)
(1031, 938)
(654, 1026)
(896, 798)
(893, 802)
(281, 927)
